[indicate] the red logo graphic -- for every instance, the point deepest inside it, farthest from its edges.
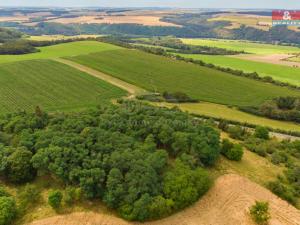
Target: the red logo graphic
(285, 15)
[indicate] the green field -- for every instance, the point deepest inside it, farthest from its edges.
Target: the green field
(50, 85)
(224, 112)
(250, 47)
(61, 50)
(157, 73)
(278, 72)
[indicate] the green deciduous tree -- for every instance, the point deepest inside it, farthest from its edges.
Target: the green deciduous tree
(19, 168)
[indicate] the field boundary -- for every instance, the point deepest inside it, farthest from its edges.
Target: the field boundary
(131, 89)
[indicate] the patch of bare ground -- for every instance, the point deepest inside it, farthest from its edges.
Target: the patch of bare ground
(227, 203)
(279, 59)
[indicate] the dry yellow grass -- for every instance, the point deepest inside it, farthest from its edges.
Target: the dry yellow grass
(227, 203)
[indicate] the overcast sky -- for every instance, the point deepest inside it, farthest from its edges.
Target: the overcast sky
(282, 4)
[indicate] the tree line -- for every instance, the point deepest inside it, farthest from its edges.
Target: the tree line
(281, 108)
(175, 45)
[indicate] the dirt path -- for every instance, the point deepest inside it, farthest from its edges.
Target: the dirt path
(279, 59)
(131, 89)
(227, 203)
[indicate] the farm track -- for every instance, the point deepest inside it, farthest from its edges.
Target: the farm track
(131, 89)
(226, 203)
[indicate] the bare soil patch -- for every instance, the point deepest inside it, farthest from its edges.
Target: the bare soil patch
(279, 59)
(227, 203)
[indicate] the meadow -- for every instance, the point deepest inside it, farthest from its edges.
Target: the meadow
(249, 47)
(61, 50)
(50, 85)
(277, 72)
(230, 113)
(156, 73)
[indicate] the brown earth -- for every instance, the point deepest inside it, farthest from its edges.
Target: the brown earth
(227, 203)
(280, 59)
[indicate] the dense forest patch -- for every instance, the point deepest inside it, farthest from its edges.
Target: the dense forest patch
(143, 161)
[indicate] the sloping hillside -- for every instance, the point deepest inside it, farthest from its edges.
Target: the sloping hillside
(227, 203)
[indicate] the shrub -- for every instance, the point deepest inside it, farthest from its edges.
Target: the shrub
(283, 191)
(54, 199)
(160, 207)
(226, 146)
(279, 157)
(8, 210)
(28, 197)
(3, 192)
(72, 195)
(235, 153)
(262, 133)
(232, 151)
(260, 212)
(236, 132)
(223, 125)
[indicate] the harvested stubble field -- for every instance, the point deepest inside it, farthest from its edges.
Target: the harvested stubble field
(156, 73)
(50, 85)
(116, 19)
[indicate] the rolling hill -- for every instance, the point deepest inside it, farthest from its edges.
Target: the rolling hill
(161, 74)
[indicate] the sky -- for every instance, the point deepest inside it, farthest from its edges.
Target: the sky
(270, 4)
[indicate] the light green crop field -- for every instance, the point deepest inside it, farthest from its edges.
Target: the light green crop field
(250, 47)
(50, 85)
(277, 72)
(61, 50)
(156, 73)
